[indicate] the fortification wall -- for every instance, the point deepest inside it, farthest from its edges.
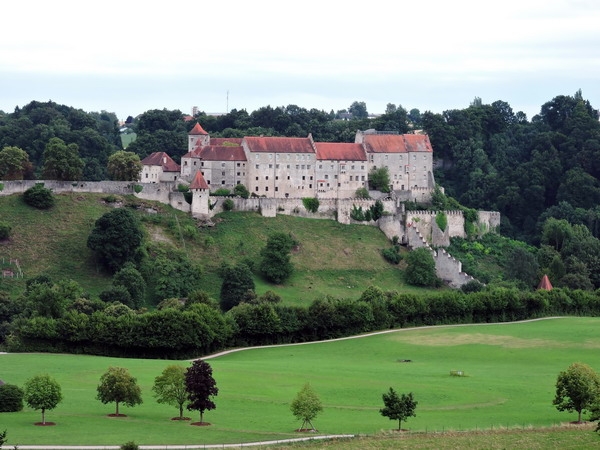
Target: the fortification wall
(425, 221)
(449, 269)
(392, 226)
(177, 201)
(488, 221)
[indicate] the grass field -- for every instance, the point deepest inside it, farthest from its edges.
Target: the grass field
(510, 375)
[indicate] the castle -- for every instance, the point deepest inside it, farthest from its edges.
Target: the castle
(282, 167)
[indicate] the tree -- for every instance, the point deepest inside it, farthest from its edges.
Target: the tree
(14, 163)
(577, 389)
(379, 179)
(11, 398)
(420, 268)
(62, 161)
(358, 110)
(241, 190)
(117, 385)
(169, 387)
(39, 197)
(200, 386)
(276, 265)
(3, 439)
(306, 406)
(237, 281)
(124, 166)
(42, 392)
(132, 280)
(115, 239)
(398, 407)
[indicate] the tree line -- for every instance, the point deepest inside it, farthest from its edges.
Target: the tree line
(179, 330)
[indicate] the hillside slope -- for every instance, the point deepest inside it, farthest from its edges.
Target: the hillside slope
(334, 259)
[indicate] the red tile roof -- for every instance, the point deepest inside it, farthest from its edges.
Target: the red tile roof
(545, 283)
(198, 182)
(163, 160)
(197, 130)
(417, 143)
(221, 153)
(226, 141)
(396, 143)
(279, 145)
(340, 151)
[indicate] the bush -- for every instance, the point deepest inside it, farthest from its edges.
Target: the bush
(311, 204)
(441, 220)
(138, 188)
(228, 205)
(221, 192)
(131, 445)
(362, 192)
(183, 188)
(39, 197)
(4, 230)
(241, 190)
(391, 255)
(11, 398)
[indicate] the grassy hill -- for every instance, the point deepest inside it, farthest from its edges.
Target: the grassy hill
(334, 259)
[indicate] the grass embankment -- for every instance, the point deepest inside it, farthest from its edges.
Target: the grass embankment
(510, 381)
(332, 259)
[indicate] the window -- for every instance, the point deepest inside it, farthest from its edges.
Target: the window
(276, 189)
(276, 177)
(270, 166)
(256, 189)
(326, 176)
(362, 167)
(288, 166)
(350, 177)
(414, 157)
(257, 166)
(202, 164)
(303, 178)
(222, 164)
(335, 176)
(266, 188)
(238, 174)
(222, 181)
(288, 177)
(303, 166)
(308, 167)
(146, 175)
(267, 177)
(310, 186)
(194, 162)
(222, 174)
(277, 166)
(297, 167)
(352, 166)
(362, 178)
(320, 166)
(238, 164)
(256, 178)
(311, 177)
(185, 163)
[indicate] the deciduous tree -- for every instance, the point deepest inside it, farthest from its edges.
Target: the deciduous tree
(306, 406)
(124, 166)
(117, 385)
(379, 179)
(115, 239)
(577, 389)
(169, 387)
(14, 163)
(276, 265)
(237, 281)
(11, 398)
(201, 387)
(420, 269)
(398, 407)
(42, 392)
(62, 161)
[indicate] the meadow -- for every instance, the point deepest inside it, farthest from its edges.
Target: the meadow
(510, 373)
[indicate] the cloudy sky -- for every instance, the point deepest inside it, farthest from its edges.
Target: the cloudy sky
(131, 56)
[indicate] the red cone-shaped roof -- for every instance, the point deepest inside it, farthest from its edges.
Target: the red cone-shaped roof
(198, 130)
(199, 182)
(545, 283)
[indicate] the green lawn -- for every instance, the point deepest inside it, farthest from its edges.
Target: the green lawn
(511, 371)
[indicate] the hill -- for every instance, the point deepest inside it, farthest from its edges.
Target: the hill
(332, 259)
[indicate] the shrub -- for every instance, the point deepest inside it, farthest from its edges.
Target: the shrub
(11, 398)
(241, 190)
(357, 213)
(4, 230)
(441, 220)
(111, 198)
(131, 445)
(228, 205)
(221, 192)
(183, 188)
(138, 188)
(311, 204)
(391, 255)
(1, 186)
(39, 197)
(362, 192)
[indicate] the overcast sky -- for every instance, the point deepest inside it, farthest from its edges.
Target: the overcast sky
(131, 56)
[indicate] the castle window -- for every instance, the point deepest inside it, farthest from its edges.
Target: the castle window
(311, 177)
(222, 181)
(270, 166)
(277, 166)
(185, 163)
(276, 189)
(222, 164)
(326, 176)
(350, 177)
(202, 164)
(303, 166)
(320, 166)
(238, 164)
(238, 174)
(308, 167)
(256, 189)
(303, 178)
(194, 162)
(310, 186)
(266, 188)
(276, 177)
(257, 166)
(222, 174)
(267, 177)
(256, 178)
